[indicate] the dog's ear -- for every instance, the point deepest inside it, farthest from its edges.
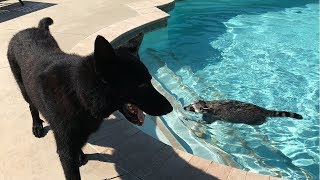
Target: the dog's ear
(133, 44)
(104, 53)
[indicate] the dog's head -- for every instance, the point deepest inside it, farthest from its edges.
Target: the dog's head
(197, 107)
(129, 80)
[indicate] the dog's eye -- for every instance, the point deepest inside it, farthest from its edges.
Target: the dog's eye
(143, 85)
(104, 81)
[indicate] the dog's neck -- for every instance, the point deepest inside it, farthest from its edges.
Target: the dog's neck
(94, 95)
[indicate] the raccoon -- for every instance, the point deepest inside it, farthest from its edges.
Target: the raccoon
(236, 112)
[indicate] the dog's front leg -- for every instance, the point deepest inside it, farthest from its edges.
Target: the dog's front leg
(70, 164)
(68, 154)
(37, 127)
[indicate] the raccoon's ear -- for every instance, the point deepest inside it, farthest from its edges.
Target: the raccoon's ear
(104, 53)
(201, 101)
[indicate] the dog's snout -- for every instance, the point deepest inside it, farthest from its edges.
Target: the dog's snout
(169, 109)
(185, 108)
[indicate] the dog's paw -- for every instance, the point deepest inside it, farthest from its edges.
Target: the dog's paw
(82, 159)
(38, 130)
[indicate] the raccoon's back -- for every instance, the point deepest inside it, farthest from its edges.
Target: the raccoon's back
(234, 105)
(239, 112)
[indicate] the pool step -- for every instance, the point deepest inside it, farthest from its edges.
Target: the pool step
(177, 85)
(166, 76)
(174, 83)
(198, 83)
(173, 141)
(184, 79)
(223, 156)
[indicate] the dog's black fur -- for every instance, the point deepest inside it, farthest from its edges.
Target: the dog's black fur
(75, 93)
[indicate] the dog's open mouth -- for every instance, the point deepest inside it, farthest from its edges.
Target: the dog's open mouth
(133, 114)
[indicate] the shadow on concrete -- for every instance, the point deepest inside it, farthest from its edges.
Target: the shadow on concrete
(10, 11)
(140, 154)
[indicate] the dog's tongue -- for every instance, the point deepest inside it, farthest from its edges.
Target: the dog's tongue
(141, 116)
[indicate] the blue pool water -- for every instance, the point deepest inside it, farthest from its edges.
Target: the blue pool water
(262, 52)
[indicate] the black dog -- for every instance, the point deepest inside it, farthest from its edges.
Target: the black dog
(75, 93)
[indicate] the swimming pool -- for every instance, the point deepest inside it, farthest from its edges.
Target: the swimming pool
(262, 52)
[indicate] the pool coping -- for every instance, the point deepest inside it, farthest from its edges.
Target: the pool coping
(153, 15)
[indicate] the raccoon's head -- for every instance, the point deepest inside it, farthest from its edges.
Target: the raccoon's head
(197, 107)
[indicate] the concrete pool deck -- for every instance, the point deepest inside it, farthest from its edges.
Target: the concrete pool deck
(118, 150)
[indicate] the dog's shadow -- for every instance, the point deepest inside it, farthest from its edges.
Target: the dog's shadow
(94, 156)
(141, 155)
